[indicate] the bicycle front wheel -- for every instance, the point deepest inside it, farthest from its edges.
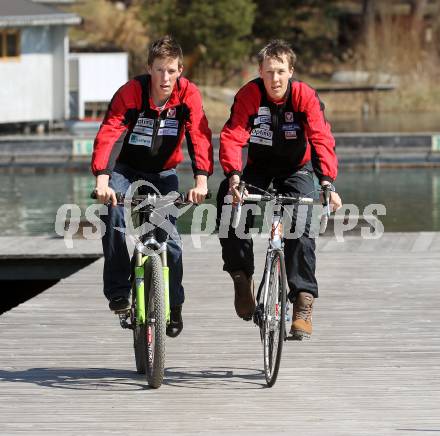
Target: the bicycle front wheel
(155, 323)
(273, 326)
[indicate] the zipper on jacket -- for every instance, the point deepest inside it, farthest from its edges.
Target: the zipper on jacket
(275, 120)
(156, 128)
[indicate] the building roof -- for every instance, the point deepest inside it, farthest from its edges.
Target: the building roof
(60, 2)
(20, 13)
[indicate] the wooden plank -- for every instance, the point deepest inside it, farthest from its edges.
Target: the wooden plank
(371, 367)
(47, 247)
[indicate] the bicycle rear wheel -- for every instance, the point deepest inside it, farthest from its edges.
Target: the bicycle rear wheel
(155, 325)
(273, 326)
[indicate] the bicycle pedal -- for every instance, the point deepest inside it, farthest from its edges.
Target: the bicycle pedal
(258, 315)
(123, 317)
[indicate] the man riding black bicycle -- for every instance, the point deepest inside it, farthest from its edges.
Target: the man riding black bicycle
(282, 121)
(140, 139)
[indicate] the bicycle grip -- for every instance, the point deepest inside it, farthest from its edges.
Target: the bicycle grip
(324, 218)
(236, 215)
(236, 210)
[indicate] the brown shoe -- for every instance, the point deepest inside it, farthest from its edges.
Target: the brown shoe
(302, 316)
(244, 301)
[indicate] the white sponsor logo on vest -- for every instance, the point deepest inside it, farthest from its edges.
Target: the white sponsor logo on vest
(140, 140)
(263, 110)
(171, 112)
(143, 130)
(290, 134)
(146, 122)
(262, 119)
(169, 123)
(167, 132)
(258, 140)
(262, 133)
(172, 123)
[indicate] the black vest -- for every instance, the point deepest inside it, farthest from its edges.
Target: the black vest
(277, 142)
(151, 138)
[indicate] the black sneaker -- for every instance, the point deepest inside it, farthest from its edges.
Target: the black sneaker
(176, 322)
(119, 304)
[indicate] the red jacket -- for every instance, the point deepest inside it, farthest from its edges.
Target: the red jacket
(136, 133)
(282, 137)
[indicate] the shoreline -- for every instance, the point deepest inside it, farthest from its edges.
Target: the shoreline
(70, 152)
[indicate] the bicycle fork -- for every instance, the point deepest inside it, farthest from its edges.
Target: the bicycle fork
(141, 309)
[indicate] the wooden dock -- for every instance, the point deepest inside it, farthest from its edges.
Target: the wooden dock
(372, 366)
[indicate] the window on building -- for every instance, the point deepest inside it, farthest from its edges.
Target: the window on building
(95, 110)
(9, 43)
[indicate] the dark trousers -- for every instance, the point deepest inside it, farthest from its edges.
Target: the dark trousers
(299, 251)
(117, 267)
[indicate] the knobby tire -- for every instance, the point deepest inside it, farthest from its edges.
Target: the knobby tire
(155, 321)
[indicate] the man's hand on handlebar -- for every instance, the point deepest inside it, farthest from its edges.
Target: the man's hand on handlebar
(234, 184)
(104, 194)
(335, 199)
(198, 193)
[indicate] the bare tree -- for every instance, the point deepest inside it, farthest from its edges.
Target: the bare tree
(418, 9)
(369, 9)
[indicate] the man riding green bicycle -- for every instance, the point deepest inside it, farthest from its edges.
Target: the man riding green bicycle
(140, 139)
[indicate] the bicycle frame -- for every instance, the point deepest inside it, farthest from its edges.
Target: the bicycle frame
(276, 244)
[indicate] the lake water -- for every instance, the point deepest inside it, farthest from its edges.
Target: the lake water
(29, 202)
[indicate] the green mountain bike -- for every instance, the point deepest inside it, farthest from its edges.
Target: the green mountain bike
(149, 313)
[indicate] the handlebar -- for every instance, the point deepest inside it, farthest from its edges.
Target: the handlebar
(180, 201)
(279, 199)
(283, 200)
